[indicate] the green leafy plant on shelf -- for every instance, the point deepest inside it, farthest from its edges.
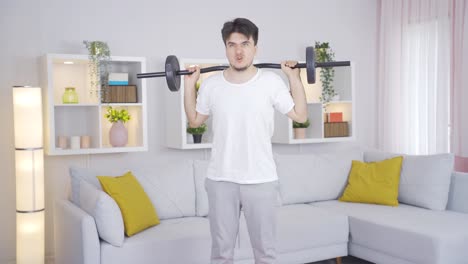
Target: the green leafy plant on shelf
(99, 58)
(324, 53)
(115, 115)
(197, 130)
(306, 124)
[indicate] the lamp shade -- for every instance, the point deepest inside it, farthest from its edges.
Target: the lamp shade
(29, 180)
(29, 164)
(27, 108)
(30, 238)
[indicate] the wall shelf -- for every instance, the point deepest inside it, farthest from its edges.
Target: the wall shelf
(177, 137)
(176, 122)
(344, 86)
(86, 118)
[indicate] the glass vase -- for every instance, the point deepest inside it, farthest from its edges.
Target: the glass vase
(70, 96)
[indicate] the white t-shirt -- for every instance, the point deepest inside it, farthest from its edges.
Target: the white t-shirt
(243, 123)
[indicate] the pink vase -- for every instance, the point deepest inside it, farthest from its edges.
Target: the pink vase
(118, 135)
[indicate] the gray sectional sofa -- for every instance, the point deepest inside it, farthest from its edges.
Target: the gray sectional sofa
(312, 224)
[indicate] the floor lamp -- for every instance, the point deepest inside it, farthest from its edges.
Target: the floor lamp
(29, 164)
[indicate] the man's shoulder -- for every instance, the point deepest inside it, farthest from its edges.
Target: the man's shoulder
(214, 78)
(269, 75)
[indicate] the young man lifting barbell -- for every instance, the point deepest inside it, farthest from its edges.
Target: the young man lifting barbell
(242, 173)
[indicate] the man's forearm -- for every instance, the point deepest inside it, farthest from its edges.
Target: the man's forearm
(299, 98)
(190, 103)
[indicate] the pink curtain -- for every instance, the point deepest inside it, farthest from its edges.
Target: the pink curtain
(459, 84)
(423, 78)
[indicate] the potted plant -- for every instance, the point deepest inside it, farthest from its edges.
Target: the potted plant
(324, 53)
(300, 129)
(99, 57)
(197, 132)
(118, 135)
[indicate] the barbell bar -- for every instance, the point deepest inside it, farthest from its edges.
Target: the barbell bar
(172, 69)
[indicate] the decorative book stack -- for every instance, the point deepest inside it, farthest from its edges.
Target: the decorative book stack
(335, 127)
(118, 90)
(119, 94)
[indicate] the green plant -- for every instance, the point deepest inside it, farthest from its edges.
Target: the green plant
(99, 57)
(306, 124)
(324, 53)
(115, 115)
(196, 130)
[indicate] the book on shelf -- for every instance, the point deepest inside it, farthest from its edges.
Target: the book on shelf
(119, 94)
(117, 78)
(336, 129)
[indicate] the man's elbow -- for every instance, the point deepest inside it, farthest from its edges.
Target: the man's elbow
(302, 118)
(194, 123)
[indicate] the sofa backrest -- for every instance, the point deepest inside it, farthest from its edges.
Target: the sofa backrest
(200, 168)
(303, 178)
(169, 184)
(458, 195)
(424, 179)
(306, 178)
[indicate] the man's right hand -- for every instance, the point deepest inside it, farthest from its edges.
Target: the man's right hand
(191, 79)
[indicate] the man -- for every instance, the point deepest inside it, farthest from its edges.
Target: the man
(242, 172)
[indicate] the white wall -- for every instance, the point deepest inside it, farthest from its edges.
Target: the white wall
(155, 29)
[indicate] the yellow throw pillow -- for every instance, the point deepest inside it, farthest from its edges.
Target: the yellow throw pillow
(374, 182)
(137, 210)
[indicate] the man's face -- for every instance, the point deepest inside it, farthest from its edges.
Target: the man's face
(240, 51)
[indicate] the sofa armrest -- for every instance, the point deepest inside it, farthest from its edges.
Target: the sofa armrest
(76, 237)
(458, 196)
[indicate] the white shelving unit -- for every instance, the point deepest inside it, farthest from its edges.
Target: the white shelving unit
(87, 116)
(176, 121)
(343, 83)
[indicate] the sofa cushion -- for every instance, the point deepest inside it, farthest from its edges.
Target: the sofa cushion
(411, 233)
(105, 211)
(301, 227)
(307, 178)
(168, 183)
(373, 182)
(137, 210)
(181, 240)
(170, 186)
(458, 195)
(200, 167)
(89, 175)
(424, 181)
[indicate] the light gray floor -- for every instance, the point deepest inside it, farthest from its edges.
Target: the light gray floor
(345, 260)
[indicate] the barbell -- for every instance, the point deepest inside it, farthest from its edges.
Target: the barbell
(172, 70)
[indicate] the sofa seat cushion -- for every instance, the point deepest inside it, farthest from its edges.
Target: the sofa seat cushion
(180, 240)
(412, 233)
(301, 227)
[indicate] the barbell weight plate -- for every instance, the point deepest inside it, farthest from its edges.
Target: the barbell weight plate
(172, 78)
(310, 64)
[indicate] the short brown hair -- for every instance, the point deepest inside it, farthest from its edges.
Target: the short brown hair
(242, 26)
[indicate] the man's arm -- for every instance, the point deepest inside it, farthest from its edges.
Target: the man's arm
(299, 112)
(194, 118)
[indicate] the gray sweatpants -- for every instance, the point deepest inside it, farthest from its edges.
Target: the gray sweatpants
(258, 201)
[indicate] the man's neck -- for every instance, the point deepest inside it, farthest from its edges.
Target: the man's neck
(235, 76)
